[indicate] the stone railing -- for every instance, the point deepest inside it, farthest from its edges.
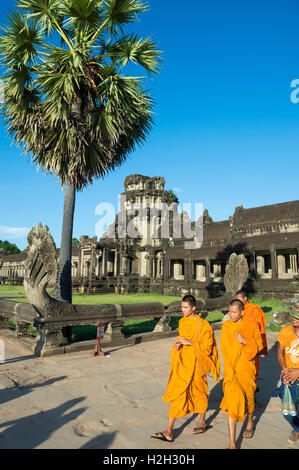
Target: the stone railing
(50, 339)
(50, 316)
(22, 315)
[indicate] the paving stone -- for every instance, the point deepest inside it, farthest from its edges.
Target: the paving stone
(75, 401)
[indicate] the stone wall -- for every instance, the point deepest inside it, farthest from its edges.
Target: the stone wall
(268, 288)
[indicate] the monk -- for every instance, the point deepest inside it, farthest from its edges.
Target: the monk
(193, 356)
(254, 311)
(240, 342)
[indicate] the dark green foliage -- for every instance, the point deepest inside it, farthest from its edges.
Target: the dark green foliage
(173, 196)
(8, 248)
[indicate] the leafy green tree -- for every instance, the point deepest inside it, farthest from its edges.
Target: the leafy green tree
(173, 196)
(67, 100)
(8, 248)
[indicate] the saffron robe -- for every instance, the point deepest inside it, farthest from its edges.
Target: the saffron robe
(187, 389)
(239, 371)
(255, 312)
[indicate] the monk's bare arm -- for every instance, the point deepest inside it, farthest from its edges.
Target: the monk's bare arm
(184, 341)
(280, 356)
(240, 338)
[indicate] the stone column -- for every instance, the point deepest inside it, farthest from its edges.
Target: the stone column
(273, 262)
(162, 266)
(158, 267)
(104, 262)
(281, 265)
(115, 263)
(208, 269)
(123, 266)
(49, 337)
(98, 271)
(80, 263)
(151, 266)
(155, 267)
(113, 332)
(260, 265)
(92, 263)
(217, 270)
(188, 268)
(251, 265)
(177, 270)
(166, 267)
(200, 272)
(293, 263)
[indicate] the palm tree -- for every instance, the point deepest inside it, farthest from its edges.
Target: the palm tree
(67, 102)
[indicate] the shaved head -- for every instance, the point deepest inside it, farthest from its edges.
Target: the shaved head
(237, 303)
(242, 293)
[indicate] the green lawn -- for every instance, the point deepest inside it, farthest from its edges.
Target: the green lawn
(142, 325)
(84, 299)
(18, 290)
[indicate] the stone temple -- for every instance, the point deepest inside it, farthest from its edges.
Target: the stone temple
(268, 236)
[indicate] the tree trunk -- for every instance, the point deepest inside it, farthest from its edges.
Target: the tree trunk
(63, 288)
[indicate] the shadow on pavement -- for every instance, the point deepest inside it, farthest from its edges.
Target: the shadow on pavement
(8, 394)
(30, 431)
(100, 442)
(268, 378)
(18, 359)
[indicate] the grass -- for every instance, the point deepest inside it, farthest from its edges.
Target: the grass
(17, 290)
(142, 325)
(84, 299)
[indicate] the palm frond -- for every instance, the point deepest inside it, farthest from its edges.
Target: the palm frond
(19, 41)
(121, 12)
(137, 50)
(82, 15)
(44, 12)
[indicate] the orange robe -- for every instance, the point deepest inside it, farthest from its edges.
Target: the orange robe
(254, 311)
(187, 389)
(239, 367)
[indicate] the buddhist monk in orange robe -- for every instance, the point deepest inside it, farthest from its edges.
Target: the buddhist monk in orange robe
(240, 342)
(193, 356)
(254, 311)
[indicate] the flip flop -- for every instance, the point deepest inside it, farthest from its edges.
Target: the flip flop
(248, 433)
(292, 440)
(200, 430)
(162, 437)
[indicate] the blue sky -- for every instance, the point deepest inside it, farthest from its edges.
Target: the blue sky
(226, 132)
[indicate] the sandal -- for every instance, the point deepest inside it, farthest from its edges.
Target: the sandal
(292, 440)
(248, 433)
(200, 430)
(162, 437)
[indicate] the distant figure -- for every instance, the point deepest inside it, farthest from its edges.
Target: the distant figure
(240, 342)
(254, 311)
(288, 358)
(193, 356)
